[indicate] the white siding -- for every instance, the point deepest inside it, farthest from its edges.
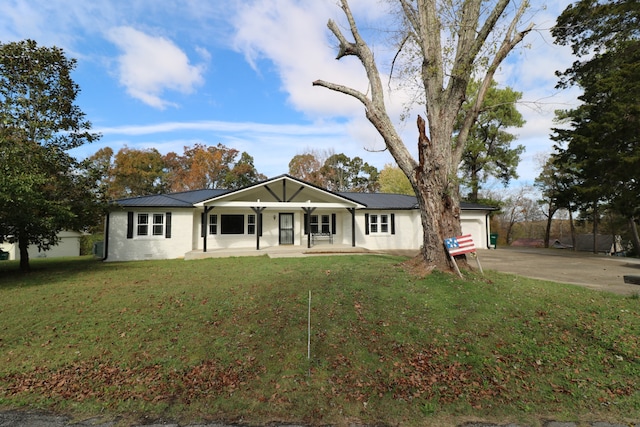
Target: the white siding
(68, 246)
(476, 224)
(408, 231)
(149, 247)
(186, 232)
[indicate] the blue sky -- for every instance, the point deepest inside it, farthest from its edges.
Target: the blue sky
(175, 73)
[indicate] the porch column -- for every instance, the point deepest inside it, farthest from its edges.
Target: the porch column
(307, 224)
(258, 212)
(353, 226)
(205, 220)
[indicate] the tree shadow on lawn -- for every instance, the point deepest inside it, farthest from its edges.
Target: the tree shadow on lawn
(44, 271)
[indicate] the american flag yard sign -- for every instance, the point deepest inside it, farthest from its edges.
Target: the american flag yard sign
(460, 245)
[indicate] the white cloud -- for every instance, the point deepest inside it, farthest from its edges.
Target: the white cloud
(294, 38)
(149, 66)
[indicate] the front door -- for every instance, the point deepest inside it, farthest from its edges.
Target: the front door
(286, 229)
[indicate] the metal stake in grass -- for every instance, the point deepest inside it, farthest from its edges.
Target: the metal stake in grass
(309, 329)
(309, 337)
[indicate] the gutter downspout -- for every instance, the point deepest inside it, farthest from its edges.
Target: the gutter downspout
(105, 248)
(487, 230)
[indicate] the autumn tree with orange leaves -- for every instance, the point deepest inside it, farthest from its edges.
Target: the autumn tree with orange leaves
(140, 172)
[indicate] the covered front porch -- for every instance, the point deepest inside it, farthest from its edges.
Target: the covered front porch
(281, 212)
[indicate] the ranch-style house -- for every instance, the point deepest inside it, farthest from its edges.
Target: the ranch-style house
(279, 211)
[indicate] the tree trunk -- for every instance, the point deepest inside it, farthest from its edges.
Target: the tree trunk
(23, 246)
(547, 233)
(634, 232)
(595, 228)
(475, 186)
(573, 230)
(439, 199)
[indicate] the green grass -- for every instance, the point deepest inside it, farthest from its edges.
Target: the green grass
(226, 340)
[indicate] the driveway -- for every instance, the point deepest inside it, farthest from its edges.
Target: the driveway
(599, 272)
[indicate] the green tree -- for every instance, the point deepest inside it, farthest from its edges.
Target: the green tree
(41, 189)
(441, 46)
(393, 180)
(335, 172)
(557, 187)
(99, 170)
(342, 173)
(488, 150)
(243, 173)
(602, 142)
(364, 177)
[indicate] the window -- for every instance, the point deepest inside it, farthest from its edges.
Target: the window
(313, 223)
(379, 224)
(158, 224)
(251, 224)
(373, 223)
(231, 224)
(213, 224)
(149, 224)
(143, 224)
(325, 224)
(384, 223)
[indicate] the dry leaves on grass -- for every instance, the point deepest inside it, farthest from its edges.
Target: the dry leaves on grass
(108, 382)
(417, 267)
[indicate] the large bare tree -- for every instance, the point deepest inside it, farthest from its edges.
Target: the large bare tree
(452, 41)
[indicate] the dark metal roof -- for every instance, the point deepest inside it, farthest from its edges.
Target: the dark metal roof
(466, 206)
(184, 199)
(401, 201)
(383, 200)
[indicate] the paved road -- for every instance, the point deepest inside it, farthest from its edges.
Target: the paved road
(560, 265)
(30, 419)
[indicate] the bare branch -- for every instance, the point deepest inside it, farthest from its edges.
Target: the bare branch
(509, 42)
(344, 89)
(375, 105)
(346, 47)
(490, 23)
(375, 151)
(395, 57)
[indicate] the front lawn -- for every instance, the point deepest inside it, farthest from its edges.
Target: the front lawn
(226, 340)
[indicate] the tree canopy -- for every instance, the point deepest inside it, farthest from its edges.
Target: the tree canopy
(393, 180)
(139, 172)
(335, 172)
(488, 152)
(42, 190)
(600, 145)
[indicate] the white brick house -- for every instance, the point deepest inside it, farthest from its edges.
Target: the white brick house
(276, 212)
